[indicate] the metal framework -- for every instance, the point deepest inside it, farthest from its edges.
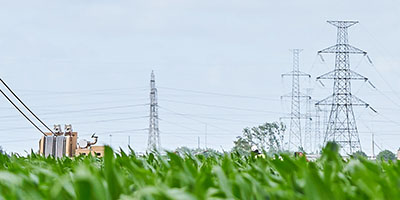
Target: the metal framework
(154, 132)
(317, 137)
(321, 121)
(295, 137)
(342, 127)
(308, 138)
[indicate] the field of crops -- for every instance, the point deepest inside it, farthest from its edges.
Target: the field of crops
(171, 176)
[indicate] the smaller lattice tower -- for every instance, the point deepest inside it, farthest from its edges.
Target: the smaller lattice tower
(153, 143)
(295, 136)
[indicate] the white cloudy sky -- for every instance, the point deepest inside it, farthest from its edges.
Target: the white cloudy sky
(88, 63)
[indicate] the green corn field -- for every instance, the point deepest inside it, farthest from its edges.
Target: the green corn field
(220, 176)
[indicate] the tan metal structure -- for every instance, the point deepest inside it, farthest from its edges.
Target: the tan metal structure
(94, 151)
(65, 143)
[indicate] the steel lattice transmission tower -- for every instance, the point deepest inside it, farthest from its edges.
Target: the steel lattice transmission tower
(341, 127)
(308, 122)
(295, 137)
(153, 143)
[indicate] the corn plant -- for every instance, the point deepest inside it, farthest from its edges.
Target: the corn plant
(186, 177)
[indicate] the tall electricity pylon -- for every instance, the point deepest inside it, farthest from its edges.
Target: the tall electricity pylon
(295, 137)
(153, 143)
(342, 127)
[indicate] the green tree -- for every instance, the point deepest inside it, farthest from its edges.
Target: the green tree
(268, 137)
(386, 155)
(242, 145)
(359, 154)
(2, 150)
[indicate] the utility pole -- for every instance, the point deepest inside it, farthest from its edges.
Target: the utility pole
(342, 127)
(295, 137)
(205, 136)
(373, 147)
(153, 143)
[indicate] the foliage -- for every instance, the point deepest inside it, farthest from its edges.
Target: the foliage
(359, 154)
(268, 137)
(386, 155)
(221, 176)
(198, 151)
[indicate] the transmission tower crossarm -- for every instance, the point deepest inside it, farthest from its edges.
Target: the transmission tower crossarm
(290, 96)
(342, 48)
(354, 101)
(294, 73)
(342, 24)
(352, 75)
(325, 102)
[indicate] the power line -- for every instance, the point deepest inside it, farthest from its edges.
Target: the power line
(9, 89)
(376, 69)
(223, 107)
(112, 120)
(22, 113)
(183, 115)
(84, 122)
(17, 141)
(222, 119)
(123, 131)
(221, 94)
(180, 125)
(84, 110)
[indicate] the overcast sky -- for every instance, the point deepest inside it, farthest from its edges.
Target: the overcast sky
(88, 63)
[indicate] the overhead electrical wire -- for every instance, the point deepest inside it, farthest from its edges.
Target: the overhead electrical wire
(176, 133)
(223, 107)
(180, 125)
(101, 108)
(85, 122)
(123, 131)
(205, 123)
(83, 91)
(90, 103)
(33, 114)
(218, 118)
(220, 94)
(17, 140)
(383, 51)
(84, 110)
(20, 111)
(112, 120)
